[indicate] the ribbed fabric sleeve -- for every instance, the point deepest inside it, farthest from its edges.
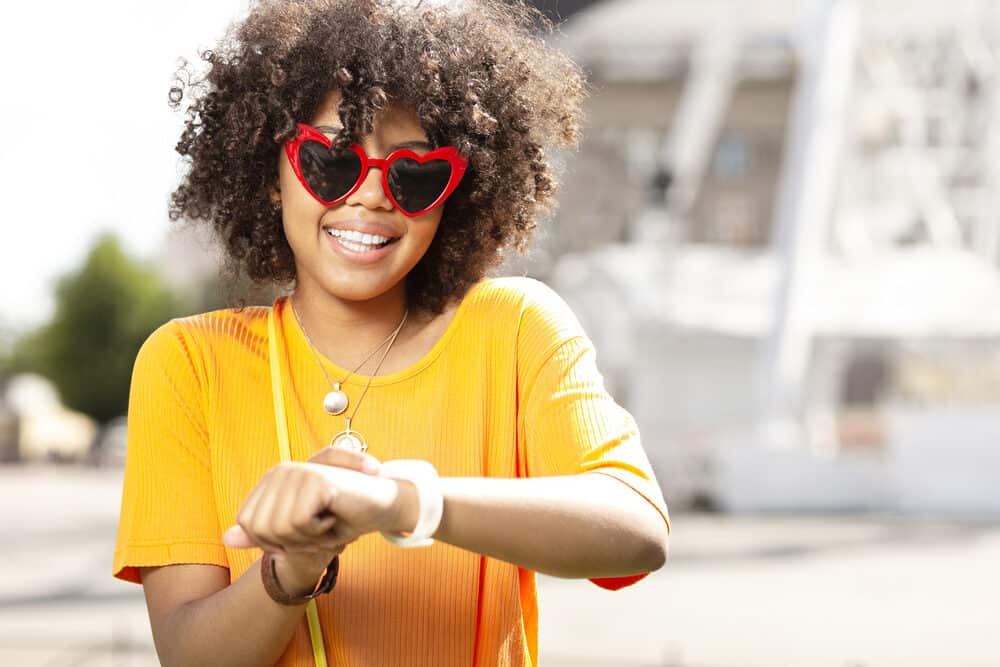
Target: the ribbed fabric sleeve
(168, 504)
(511, 389)
(571, 423)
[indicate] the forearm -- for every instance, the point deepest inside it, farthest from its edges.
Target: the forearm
(575, 526)
(239, 625)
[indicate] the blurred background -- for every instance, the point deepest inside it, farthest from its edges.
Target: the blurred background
(781, 230)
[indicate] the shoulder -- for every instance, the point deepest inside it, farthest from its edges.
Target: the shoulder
(523, 295)
(199, 336)
(225, 323)
(541, 317)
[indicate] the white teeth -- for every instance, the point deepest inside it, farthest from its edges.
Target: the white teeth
(358, 241)
(356, 246)
(358, 237)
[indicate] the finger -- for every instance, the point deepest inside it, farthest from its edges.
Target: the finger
(237, 538)
(346, 458)
(336, 538)
(268, 507)
(326, 530)
(247, 514)
(249, 508)
(321, 522)
(315, 517)
(299, 504)
(281, 512)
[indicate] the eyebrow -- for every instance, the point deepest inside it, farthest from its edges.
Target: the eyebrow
(417, 143)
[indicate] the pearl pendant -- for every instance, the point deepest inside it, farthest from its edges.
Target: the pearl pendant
(335, 402)
(350, 440)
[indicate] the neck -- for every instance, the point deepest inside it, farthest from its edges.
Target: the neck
(346, 331)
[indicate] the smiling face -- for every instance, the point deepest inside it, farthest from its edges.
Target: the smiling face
(337, 248)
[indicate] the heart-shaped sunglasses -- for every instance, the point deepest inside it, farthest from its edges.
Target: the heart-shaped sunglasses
(413, 183)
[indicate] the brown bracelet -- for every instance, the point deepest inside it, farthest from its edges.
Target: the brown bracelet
(269, 577)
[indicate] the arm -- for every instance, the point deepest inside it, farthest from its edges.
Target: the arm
(169, 538)
(563, 514)
(168, 531)
(569, 428)
(593, 525)
(582, 525)
(197, 618)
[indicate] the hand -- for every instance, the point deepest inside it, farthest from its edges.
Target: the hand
(300, 557)
(347, 458)
(314, 507)
(406, 502)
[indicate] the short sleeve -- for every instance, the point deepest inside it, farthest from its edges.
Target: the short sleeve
(571, 423)
(168, 511)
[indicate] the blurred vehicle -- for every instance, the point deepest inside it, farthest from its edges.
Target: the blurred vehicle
(109, 448)
(46, 430)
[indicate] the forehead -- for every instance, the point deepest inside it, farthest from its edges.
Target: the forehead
(391, 122)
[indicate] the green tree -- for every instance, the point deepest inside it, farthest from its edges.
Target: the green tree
(104, 311)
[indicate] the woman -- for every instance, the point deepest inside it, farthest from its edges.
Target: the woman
(445, 434)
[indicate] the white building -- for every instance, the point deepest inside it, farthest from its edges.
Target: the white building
(807, 318)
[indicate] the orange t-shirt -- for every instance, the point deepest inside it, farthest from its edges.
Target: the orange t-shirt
(511, 389)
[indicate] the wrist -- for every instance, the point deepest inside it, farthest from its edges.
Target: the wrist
(407, 509)
(298, 578)
(277, 592)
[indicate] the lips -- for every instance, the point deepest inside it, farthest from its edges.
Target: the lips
(352, 238)
(370, 227)
(358, 253)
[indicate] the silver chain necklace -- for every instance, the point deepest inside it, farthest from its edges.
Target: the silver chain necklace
(335, 402)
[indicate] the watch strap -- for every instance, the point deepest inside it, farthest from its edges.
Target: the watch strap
(424, 476)
(269, 577)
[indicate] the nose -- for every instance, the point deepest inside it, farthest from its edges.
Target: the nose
(370, 194)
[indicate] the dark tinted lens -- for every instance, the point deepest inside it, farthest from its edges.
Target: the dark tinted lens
(414, 185)
(330, 175)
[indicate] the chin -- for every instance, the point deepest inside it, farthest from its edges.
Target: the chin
(359, 289)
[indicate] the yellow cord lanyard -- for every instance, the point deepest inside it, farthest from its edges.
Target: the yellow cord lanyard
(315, 631)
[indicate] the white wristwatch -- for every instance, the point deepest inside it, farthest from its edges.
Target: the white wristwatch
(430, 500)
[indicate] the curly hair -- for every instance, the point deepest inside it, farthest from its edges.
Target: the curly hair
(479, 77)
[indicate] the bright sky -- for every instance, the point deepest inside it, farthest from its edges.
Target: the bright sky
(88, 133)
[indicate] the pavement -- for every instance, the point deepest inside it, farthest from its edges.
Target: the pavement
(737, 591)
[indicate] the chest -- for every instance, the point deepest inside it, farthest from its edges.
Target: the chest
(459, 413)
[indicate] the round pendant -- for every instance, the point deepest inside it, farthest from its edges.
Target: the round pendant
(335, 402)
(350, 440)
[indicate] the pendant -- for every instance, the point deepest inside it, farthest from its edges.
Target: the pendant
(336, 401)
(349, 439)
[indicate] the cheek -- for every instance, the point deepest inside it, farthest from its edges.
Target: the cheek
(422, 235)
(296, 203)
(425, 227)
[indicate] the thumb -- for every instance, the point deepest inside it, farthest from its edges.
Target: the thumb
(237, 538)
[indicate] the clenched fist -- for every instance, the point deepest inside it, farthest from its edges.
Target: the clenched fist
(305, 513)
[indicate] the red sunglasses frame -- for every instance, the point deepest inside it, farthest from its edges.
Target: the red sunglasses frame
(447, 153)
